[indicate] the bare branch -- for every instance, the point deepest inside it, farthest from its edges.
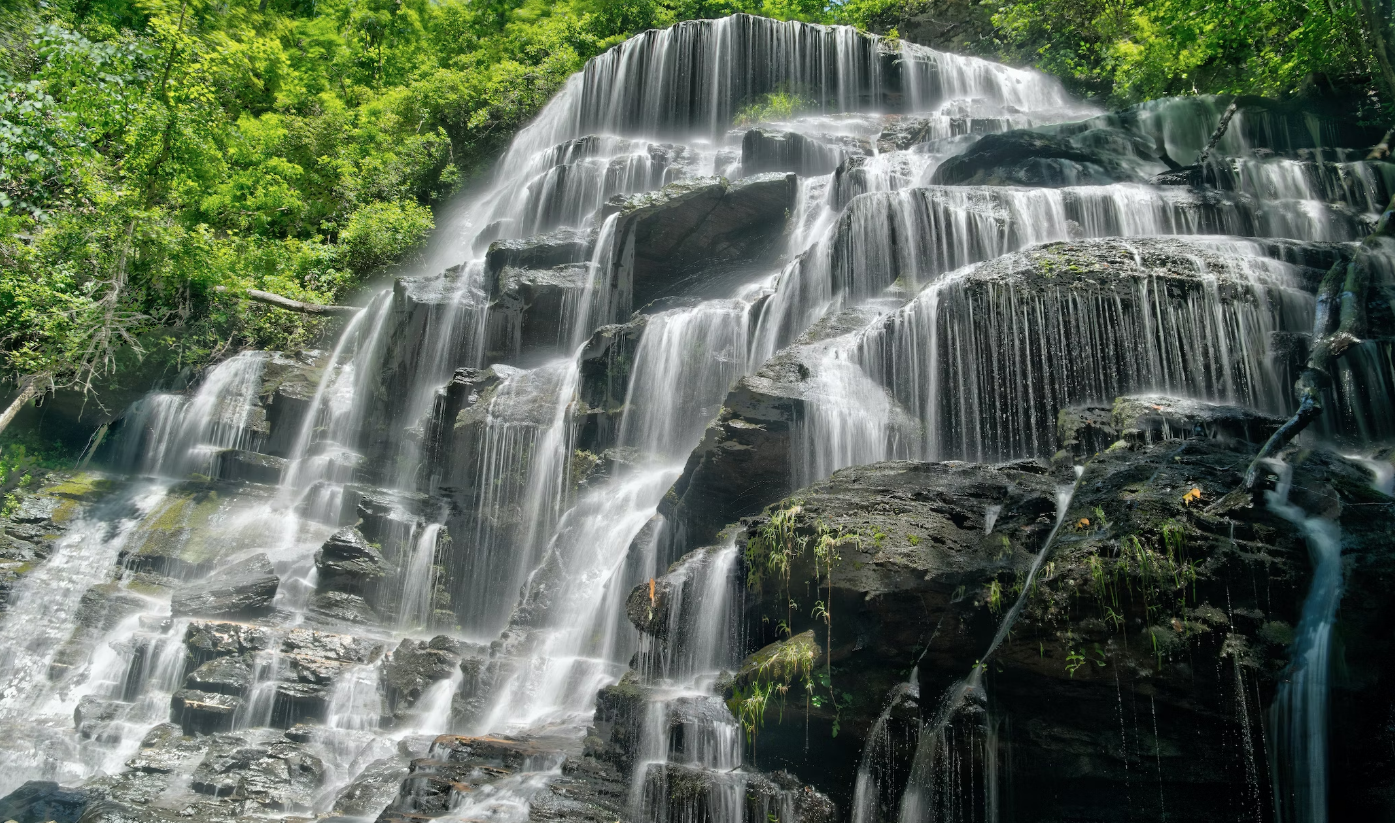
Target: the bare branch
(288, 304)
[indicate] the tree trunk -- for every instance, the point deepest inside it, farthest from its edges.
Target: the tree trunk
(280, 302)
(1380, 31)
(1218, 134)
(28, 387)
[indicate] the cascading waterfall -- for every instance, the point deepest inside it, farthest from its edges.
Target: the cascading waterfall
(934, 790)
(533, 527)
(1299, 712)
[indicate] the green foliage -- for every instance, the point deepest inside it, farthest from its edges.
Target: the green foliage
(771, 107)
(158, 157)
(1132, 50)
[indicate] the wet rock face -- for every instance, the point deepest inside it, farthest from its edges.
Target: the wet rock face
(1134, 610)
(415, 665)
(524, 318)
(677, 792)
(458, 770)
(42, 800)
(243, 588)
(662, 236)
(1025, 158)
(240, 466)
(744, 460)
(348, 563)
(765, 150)
(288, 386)
(544, 251)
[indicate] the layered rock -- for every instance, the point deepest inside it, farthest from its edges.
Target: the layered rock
(662, 237)
(1135, 590)
(244, 588)
(1024, 158)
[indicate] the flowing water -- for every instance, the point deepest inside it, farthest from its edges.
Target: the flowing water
(501, 508)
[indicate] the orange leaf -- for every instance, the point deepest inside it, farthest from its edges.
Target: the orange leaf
(651, 591)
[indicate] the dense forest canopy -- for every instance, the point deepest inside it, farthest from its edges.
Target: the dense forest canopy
(159, 158)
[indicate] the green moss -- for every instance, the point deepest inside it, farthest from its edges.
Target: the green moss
(83, 486)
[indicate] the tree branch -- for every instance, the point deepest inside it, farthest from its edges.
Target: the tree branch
(280, 302)
(28, 387)
(1219, 133)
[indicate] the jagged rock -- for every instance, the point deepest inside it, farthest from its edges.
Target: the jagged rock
(200, 712)
(620, 712)
(312, 662)
(743, 461)
(678, 792)
(660, 236)
(93, 715)
(467, 388)
(544, 251)
(766, 150)
(342, 607)
(1140, 420)
(166, 750)
(244, 588)
(528, 312)
(373, 789)
(604, 382)
(100, 610)
(348, 563)
(240, 466)
(209, 640)
(1025, 158)
(385, 517)
(271, 772)
(942, 551)
(287, 389)
(41, 801)
(587, 791)
(226, 675)
(414, 665)
(456, 765)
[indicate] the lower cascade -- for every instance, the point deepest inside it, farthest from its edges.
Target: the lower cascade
(926, 453)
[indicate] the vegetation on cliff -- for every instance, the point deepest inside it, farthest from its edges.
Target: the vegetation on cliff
(161, 159)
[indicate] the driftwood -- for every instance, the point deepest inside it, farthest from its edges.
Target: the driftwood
(1217, 134)
(280, 302)
(1381, 150)
(29, 387)
(1338, 324)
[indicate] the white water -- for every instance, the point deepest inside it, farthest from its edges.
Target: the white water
(965, 369)
(1299, 712)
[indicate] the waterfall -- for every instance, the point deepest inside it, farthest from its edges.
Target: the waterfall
(932, 790)
(1299, 712)
(479, 494)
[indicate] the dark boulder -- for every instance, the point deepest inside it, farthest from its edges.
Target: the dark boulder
(206, 641)
(243, 588)
(287, 389)
(766, 150)
(528, 314)
(240, 466)
(415, 665)
(43, 801)
(1026, 158)
(200, 712)
(229, 675)
(662, 237)
(544, 251)
(341, 607)
(1135, 602)
(348, 563)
